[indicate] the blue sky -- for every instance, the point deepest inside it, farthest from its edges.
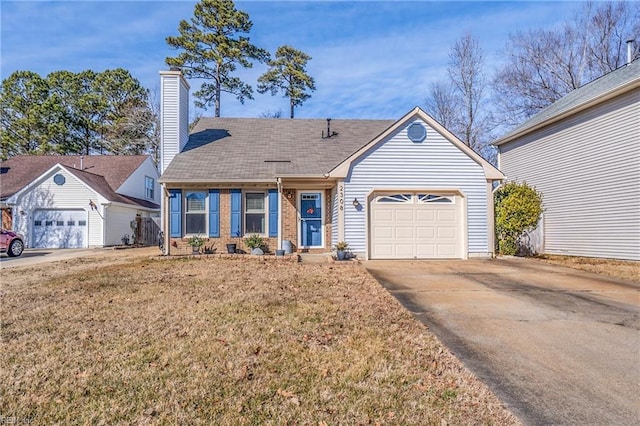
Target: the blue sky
(370, 59)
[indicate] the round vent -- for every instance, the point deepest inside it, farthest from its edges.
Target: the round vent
(417, 132)
(59, 179)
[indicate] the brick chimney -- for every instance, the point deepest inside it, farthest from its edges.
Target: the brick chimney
(174, 115)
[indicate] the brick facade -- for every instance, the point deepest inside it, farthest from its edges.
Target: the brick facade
(289, 227)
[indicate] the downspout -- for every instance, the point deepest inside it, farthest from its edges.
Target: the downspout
(279, 183)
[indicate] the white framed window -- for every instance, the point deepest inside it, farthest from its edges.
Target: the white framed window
(255, 213)
(149, 184)
(195, 212)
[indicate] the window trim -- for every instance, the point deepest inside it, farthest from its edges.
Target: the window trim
(264, 212)
(151, 189)
(204, 212)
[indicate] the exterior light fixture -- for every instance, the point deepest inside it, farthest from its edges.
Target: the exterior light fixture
(356, 203)
(92, 205)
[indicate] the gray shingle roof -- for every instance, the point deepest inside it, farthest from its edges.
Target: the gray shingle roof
(583, 95)
(260, 149)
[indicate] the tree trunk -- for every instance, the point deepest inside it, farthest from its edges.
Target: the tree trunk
(217, 102)
(291, 105)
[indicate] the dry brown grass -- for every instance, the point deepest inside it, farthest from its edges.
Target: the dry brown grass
(223, 341)
(623, 269)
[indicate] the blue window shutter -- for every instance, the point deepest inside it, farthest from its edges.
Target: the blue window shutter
(214, 213)
(273, 212)
(175, 212)
(236, 213)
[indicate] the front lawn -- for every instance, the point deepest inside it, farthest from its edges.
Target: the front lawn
(223, 341)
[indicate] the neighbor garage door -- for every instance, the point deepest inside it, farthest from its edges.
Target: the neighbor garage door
(416, 225)
(59, 229)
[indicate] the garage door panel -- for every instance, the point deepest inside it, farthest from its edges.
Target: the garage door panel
(446, 250)
(384, 231)
(404, 215)
(446, 215)
(423, 215)
(425, 232)
(59, 229)
(416, 227)
(403, 250)
(384, 250)
(446, 232)
(383, 216)
(425, 250)
(404, 232)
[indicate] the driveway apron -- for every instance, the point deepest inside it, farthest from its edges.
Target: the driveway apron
(558, 346)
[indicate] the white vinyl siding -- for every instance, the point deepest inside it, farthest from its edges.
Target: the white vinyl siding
(174, 117)
(46, 195)
(588, 170)
(433, 164)
(118, 224)
(135, 186)
(334, 216)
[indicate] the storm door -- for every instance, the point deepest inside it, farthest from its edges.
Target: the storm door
(311, 219)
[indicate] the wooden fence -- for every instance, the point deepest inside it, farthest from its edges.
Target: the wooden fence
(147, 231)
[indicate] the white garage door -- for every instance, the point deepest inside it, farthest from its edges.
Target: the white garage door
(416, 226)
(59, 229)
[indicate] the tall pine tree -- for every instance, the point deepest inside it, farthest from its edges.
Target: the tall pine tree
(287, 73)
(212, 47)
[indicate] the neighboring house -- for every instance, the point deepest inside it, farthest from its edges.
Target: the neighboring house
(583, 154)
(77, 201)
(405, 189)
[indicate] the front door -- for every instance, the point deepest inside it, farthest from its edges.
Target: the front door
(311, 219)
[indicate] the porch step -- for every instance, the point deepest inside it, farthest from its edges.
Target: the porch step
(315, 257)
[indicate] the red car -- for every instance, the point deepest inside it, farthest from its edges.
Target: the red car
(11, 243)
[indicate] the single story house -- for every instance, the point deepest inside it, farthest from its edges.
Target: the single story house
(583, 154)
(405, 189)
(78, 201)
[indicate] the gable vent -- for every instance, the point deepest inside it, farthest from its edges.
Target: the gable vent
(417, 132)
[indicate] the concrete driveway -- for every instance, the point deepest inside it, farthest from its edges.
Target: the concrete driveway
(36, 256)
(559, 346)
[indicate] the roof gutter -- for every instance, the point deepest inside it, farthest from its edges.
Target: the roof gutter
(217, 181)
(322, 176)
(592, 102)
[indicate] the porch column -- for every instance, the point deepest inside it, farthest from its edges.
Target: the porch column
(340, 210)
(164, 208)
(279, 182)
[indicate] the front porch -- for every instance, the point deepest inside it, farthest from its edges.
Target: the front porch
(221, 216)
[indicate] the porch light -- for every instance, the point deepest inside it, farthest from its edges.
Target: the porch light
(356, 203)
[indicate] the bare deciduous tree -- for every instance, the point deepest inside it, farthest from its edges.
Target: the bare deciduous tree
(442, 104)
(271, 114)
(459, 103)
(541, 66)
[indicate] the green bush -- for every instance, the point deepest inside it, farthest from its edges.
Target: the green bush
(518, 207)
(254, 241)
